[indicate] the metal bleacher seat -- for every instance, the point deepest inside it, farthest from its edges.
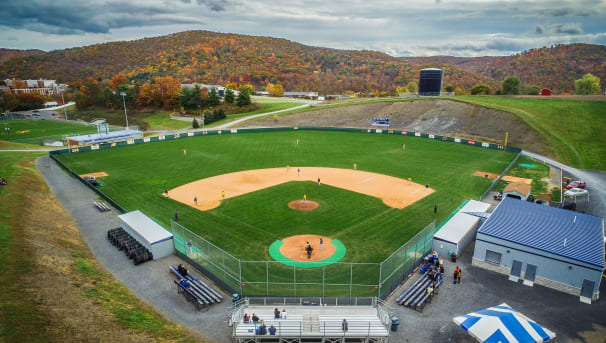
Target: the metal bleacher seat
(404, 296)
(198, 289)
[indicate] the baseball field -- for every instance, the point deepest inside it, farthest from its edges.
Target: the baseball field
(247, 224)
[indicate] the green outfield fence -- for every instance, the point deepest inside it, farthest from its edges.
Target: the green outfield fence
(274, 278)
(263, 278)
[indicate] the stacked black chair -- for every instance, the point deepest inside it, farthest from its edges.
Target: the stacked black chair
(131, 247)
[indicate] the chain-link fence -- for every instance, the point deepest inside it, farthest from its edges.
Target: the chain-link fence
(273, 278)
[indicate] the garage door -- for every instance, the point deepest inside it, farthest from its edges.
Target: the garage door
(493, 257)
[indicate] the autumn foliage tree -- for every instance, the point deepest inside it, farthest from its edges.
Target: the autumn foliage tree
(29, 101)
(481, 89)
(160, 92)
(588, 84)
(275, 90)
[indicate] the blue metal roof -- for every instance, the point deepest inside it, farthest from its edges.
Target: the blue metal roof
(565, 233)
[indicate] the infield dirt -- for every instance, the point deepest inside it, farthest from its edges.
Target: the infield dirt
(394, 192)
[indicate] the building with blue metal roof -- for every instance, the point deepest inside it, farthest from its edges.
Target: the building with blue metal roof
(556, 248)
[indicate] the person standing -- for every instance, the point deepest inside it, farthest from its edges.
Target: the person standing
(189, 247)
(355, 166)
(456, 274)
(298, 171)
(319, 181)
(409, 180)
(321, 243)
(459, 276)
(196, 201)
(223, 195)
(184, 152)
(177, 215)
(304, 197)
(403, 146)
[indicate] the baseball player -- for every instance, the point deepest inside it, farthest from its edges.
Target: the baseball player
(196, 201)
(184, 152)
(304, 197)
(319, 183)
(321, 243)
(355, 166)
(409, 180)
(297, 141)
(298, 171)
(403, 146)
(223, 195)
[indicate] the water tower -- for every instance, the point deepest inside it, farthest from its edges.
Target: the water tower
(430, 82)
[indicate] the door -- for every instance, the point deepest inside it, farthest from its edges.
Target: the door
(529, 276)
(516, 271)
(493, 257)
(587, 291)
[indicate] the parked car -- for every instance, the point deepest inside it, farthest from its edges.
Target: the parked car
(542, 202)
(575, 192)
(576, 184)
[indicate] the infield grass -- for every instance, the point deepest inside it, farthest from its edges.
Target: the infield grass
(245, 226)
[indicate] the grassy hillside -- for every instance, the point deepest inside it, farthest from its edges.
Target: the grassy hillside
(575, 128)
(52, 289)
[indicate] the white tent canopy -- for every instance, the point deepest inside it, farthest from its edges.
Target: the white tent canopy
(503, 324)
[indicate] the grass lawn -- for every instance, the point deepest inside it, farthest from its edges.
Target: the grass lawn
(51, 287)
(539, 186)
(575, 128)
(139, 174)
(35, 131)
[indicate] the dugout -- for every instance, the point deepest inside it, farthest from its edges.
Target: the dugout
(460, 229)
(556, 248)
(149, 233)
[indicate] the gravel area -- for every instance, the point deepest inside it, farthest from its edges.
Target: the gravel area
(562, 313)
(150, 281)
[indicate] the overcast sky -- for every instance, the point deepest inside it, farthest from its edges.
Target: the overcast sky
(399, 27)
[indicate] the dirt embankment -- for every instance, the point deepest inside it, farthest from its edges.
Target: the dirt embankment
(440, 117)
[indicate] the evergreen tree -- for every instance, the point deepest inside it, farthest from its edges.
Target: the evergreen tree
(213, 97)
(511, 85)
(229, 96)
(244, 97)
(195, 124)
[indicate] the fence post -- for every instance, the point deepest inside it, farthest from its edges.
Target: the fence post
(267, 276)
(294, 268)
(350, 279)
(323, 280)
(240, 276)
(223, 254)
(380, 276)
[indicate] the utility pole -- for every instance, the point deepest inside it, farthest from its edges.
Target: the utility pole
(124, 102)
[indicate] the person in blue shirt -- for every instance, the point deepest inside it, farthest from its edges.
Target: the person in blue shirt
(272, 330)
(185, 283)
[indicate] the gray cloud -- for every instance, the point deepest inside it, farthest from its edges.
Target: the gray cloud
(213, 5)
(569, 29)
(539, 30)
(72, 17)
(565, 12)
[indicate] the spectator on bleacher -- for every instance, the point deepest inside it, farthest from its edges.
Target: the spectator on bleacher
(255, 319)
(344, 325)
(262, 329)
(246, 318)
(272, 330)
(431, 287)
(185, 283)
(283, 314)
(182, 270)
(276, 313)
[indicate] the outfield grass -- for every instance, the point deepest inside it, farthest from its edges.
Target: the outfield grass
(575, 128)
(35, 131)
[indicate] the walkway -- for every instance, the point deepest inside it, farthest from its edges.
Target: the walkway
(150, 281)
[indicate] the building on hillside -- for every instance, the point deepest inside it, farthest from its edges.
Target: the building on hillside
(44, 87)
(517, 190)
(220, 89)
(338, 96)
(310, 95)
(556, 248)
(4, 89)
(545, 91)
(430, 82)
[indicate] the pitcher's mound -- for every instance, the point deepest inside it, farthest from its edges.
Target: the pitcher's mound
(294, 247)
(299, 205)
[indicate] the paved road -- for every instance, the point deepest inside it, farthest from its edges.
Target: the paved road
(232, 123)
(149, 281)
(596, 182)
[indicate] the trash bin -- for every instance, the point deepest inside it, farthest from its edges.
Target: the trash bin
(235, 297)
(453, 257)
(395, 321)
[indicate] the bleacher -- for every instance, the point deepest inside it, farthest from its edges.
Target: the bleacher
(199, 292)
(101, 206)
(131, 247)
(357, 325)
(291, 326)
(416, 295)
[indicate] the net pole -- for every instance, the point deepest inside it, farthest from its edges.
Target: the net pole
(380, 276)
(240, 275)
(350, 279)
(267, 276)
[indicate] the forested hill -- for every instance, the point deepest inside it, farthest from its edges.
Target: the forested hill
(7, 54)
(554, 67)
(218, 58)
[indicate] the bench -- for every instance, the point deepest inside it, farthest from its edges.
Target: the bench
(191, 297)
(404, 296)
(198, 287)
(292, 328)
(289, 317)
(427, 298)
(420, 288)
(101, 206)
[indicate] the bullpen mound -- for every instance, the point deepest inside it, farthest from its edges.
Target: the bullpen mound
(299, 205)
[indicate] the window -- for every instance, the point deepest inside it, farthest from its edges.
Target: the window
(493, 257)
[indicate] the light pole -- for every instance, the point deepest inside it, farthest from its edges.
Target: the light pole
(64, 109)
(199, 111)
(124, 102)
